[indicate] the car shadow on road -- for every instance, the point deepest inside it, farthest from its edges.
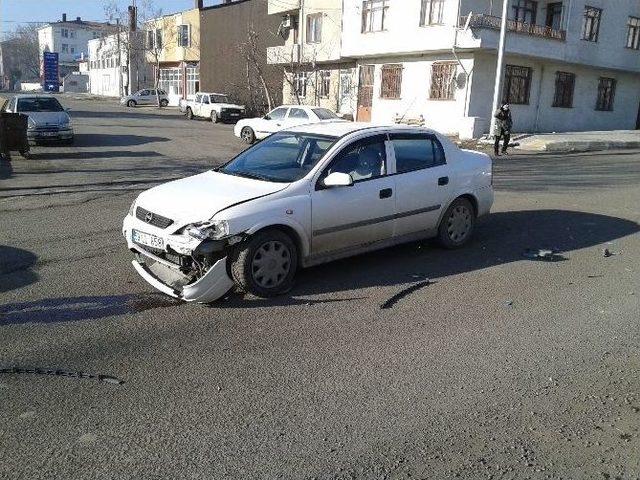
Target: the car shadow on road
(91, 155)
(501, 238)
(135, 114)
(71, 309)
(6, 169)
(111, 140)
(16, 268)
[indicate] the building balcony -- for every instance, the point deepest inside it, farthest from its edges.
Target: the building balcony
(283, 54)
(480, 20)
(282, 6)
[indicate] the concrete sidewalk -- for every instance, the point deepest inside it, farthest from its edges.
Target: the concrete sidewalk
(580, 141)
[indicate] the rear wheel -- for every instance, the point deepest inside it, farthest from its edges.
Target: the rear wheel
(189, 114)
(248, 135)
(164, 103)
(266, 264)
(131, 103)
(458, 222)
(214, 116)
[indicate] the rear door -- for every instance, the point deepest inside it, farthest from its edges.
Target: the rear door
(422, 181)
(143, 97)
(360, 214)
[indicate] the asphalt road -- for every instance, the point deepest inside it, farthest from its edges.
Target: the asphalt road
(502, 367)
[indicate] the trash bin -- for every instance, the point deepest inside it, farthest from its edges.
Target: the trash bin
(13, 134)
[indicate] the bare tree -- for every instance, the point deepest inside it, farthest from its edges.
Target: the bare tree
(23, 52)
(253, 56)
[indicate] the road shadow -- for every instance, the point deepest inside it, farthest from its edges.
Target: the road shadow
(91, 155)
(6, 170)
(72, 309)
(16, 267)
(134, 114)
(111, 140)
(499, 239)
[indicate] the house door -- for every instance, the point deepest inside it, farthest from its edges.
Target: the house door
(365, 93)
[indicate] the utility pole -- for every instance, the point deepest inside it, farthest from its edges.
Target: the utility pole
(131, 42)
(118, 33)
(497, 91)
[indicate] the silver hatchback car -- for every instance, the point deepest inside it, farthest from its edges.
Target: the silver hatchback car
(146, 96)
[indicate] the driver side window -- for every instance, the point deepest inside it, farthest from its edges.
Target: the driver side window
(278, 114)
(144, 93)
(363, 160)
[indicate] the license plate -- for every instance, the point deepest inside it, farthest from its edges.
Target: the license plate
(49, 134)
(147, 239)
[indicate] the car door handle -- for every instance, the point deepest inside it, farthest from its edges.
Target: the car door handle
(443, 181)
(386, 193)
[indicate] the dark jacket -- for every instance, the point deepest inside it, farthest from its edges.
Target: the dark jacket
(504, 120)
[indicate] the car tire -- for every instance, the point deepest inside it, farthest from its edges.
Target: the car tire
(248, 135)
(131, 103)
(189, 114)
(265, 264)
(457, 224)
(164, 103)
(214, 116)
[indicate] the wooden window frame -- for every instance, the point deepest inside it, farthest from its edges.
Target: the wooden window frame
(591, 21)
(437, 90)
(511, 74)
(391, 88)
(564, 88)
(606, 94)
(431, 12)
(314, 17)
(367, 15)
(633, 33)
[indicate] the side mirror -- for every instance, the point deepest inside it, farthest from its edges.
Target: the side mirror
(267, 117)
(338, 179)
(67, 109)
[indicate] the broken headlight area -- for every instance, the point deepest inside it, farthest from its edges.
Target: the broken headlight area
(213, 230)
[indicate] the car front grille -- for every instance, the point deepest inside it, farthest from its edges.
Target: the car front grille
(46, 128)
(232, 110)
(152, 218)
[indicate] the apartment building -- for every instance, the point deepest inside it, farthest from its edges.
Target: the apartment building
(569, 65)
(172, 46)
(70, 39)
(313, 69)
(113, 63)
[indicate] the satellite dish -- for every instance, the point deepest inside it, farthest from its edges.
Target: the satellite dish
(461, 80)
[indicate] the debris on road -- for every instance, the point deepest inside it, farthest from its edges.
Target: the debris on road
(62, 373)
(542, 254)
(606, 253)
(403, 293)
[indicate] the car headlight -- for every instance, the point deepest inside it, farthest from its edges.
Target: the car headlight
(66, 123)
(213, 230)
(31, 123)
(132, 208)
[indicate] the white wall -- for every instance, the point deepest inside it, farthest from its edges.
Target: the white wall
(50, 39)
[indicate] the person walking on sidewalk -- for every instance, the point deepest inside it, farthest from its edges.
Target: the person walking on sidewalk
(504, 122)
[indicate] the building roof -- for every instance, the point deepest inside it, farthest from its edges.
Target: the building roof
(82, 23)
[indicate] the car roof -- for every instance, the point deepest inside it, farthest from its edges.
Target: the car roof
(341, 128)
(34, 95)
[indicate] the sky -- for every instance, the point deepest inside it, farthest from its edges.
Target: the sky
(14, 12)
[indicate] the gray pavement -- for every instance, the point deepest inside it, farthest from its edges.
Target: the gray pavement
(503, 367)
(580, 141)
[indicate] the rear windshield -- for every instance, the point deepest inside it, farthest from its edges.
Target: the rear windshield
(39, 104)
(324, 114)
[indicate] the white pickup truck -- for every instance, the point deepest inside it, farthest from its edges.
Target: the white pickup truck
(216, 106)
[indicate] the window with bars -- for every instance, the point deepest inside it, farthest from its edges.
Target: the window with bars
(314, 28)
(391, 86)
(517, 85)
(565, 83)
(633, 33)
(525, 11)
(299, 87)
(431, 12)
(324, 83)
(442, 81)
(606, 94)
(591, 23)
(184, 39)
(374, 13)
(554, 15)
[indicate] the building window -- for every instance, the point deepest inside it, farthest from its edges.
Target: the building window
(391, 86)
(170, 80)
(184, 39)
(565, 83)
(554, 16)
(606, 94)
(633, 34)
(72, 34)
(525, 11)
(193, 80)
(314, 28)
(517, 85)
(374, 15)
(431, 12)
(591, 23)
(324, 83)
(72, 49)
(64, 33)
(442, 81)
(158, 44)
(299, 86)
(65, 48)
(345, 83)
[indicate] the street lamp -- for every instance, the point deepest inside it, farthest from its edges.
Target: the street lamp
(498, 83)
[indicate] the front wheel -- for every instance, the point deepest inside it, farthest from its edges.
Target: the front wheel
(248, 135)
(457, 224)
(131, 103)
(266, 264)
(189, 114)
(214, 116)
(164, 103)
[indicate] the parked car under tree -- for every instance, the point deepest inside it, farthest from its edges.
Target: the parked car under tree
(305, 196)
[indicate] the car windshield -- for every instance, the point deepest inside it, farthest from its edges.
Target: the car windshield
(324, 114)
(39, 104)
(282, 157)
(221, 99)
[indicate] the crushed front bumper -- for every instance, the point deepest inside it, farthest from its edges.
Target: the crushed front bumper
(214, 284)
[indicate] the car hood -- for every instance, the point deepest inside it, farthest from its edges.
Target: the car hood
(48, 118)
(200, 197)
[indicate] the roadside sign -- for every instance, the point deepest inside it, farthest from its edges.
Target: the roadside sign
(51, 79)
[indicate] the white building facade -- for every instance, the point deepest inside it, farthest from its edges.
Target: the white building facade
(314, 71)
(70, 39)
(569, 65)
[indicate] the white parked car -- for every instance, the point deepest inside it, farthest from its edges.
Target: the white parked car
(214, 106)
(146, 96)
(286, 116)
(305, 196)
